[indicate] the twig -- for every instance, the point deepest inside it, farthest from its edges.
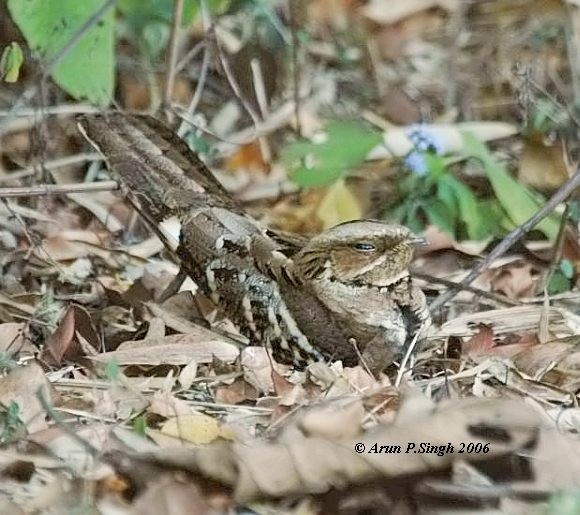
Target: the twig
(56, 110)
(52, 165)
(189, 56)
(31, 91)
(260, 90)
(498, 299)
(560, 196)
(56, 189)
(406, 358)
(173, 48)
(295, 65)
(198, 91)
(572, 31)
(202, 74)
(235, 87)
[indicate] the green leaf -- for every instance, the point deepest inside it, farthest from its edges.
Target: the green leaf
(140, 13)
(10, 62)
(470, 213)
(86, 71)
(517, 200)
(439, 215)
(446, 194)
(345, 145)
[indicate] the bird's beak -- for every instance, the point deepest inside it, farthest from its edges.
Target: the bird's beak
(419, 241)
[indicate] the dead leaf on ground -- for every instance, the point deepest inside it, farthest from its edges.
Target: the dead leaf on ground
(69, 342)
(515, 280)
(196, 428)
(12, 337)
(257, 367)
(22, 387)
(175, 349)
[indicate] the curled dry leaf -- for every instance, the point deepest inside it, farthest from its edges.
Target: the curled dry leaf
(316, 464)
(68, 341)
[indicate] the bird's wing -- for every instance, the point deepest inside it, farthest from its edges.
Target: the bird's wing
(224, 250)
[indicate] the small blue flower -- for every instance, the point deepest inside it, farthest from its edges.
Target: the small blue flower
(425, 140)
(416, 162)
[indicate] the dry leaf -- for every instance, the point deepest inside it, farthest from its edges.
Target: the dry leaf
(542, 165)
(12, 337)
(515, 280)
(257, 367)
(196, 428)
(386, 12)
(67, 342)
(338, 205)
(175, 349)
(22, 386)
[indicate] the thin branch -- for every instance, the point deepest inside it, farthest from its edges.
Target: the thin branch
(203, 73)
(497, 299)
(295, 63)
(32, 91)
(560, 196)
(235, 86)
(52, 165)
(57, 189)
(173, 49)
(189, 56)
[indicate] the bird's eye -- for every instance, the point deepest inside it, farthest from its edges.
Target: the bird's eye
(364, 246)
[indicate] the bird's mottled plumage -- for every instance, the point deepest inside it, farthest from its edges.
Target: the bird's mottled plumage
(343, 292)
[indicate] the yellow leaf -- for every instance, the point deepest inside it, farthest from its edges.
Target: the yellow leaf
(195, 428)
(338, 205)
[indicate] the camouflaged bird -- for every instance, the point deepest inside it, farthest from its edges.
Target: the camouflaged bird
(343, 294)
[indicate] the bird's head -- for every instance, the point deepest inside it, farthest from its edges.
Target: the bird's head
(365, 252)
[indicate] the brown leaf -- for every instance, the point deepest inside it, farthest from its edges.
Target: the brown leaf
(257, 367)
(542, 165)
(481, 342)
(515, 280)
(237, 392)
(67, 343)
